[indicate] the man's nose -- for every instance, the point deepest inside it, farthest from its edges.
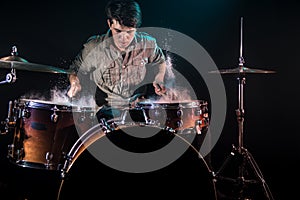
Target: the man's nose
(122, 36)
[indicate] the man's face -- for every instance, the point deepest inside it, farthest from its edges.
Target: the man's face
(122, 35)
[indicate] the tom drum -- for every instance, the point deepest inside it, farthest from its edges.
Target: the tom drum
(44, 132)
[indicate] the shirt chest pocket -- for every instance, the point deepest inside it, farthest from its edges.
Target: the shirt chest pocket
(139, 61)
(137, 70)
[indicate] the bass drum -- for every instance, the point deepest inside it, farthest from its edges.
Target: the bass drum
(87, 177)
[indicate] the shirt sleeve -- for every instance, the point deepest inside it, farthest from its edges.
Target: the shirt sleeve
(83, 61)
(156, 54)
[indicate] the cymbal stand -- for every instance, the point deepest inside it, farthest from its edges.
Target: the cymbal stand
(11, 77)
(240, 151)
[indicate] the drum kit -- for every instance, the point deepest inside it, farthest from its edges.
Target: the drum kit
(50, 136)
(44, 136)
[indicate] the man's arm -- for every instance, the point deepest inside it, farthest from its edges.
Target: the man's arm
(158, 83)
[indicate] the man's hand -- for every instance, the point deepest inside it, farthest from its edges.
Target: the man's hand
(158, 83)
(159, 88)
(75, 86)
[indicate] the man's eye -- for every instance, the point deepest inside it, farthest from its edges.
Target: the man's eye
(117, 31)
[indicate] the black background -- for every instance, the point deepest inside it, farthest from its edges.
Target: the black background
(52, 33)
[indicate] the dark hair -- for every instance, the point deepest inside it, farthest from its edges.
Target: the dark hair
(126, 12)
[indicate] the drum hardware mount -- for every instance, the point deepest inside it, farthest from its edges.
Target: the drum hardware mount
(13, 126)
(243, 155)
(11, 77)
(135, 116)
(10, 121)
(69, 159)
(54, 116)
(48, 158)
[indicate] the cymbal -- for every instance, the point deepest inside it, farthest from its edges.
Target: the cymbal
(13, 58)
(242, 70)
(17, 62)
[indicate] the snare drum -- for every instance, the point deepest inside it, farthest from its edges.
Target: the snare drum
(178, 116)
(45, 131)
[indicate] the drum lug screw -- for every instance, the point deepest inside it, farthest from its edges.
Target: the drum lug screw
(179, 123)
(26, 114)
(179, 113)
(54, 117)
(198, 126)
(49, 157)
(198, 112)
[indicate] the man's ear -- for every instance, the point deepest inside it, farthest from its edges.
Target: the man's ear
(108, 22)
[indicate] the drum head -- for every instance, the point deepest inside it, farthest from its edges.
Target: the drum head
(188, 175)
(48, 105)
(172, 104)
(57, 105)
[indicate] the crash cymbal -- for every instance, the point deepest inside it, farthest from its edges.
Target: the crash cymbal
(13, 58)
(242, 70)
(17, 62)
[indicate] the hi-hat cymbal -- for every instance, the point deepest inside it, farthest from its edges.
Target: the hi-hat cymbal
(242, 70)
(16, 62)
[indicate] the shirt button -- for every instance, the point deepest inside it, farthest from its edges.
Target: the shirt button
(124, 66)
